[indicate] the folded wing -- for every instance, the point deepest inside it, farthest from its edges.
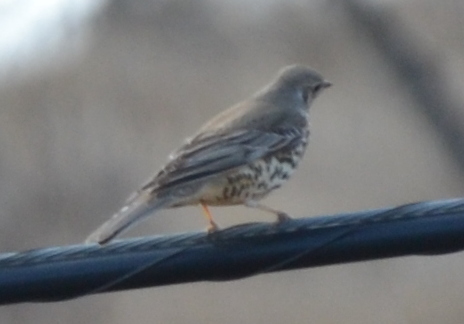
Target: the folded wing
(210, 155)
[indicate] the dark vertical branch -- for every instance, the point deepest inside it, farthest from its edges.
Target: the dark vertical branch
(416, 69)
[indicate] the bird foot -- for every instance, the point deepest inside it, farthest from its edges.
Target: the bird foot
(282, 217)
(213, 227)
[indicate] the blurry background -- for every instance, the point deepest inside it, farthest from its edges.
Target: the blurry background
(94, 95)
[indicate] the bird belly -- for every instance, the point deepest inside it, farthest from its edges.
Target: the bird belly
(253, 181)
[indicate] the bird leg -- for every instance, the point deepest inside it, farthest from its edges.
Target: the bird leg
(212, 227)
(281, 216)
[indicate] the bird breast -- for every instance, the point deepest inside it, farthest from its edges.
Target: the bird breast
(255, 180)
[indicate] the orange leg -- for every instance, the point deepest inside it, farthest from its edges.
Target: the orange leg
(212, 227)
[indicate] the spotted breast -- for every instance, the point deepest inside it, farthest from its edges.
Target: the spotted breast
(257, 179)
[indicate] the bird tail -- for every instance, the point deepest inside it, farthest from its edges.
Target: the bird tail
(137, 208)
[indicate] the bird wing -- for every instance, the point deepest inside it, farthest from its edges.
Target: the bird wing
(211, 154)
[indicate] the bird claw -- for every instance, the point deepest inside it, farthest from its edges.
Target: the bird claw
(282, 217)
(213, 227)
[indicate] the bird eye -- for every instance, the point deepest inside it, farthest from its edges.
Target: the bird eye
(317, 88)
(305, 94)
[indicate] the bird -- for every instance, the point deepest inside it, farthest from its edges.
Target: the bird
(236, 158)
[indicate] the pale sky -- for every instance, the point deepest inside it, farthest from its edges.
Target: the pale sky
(32, 31)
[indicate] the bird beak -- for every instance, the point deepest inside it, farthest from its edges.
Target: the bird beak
(326, 84)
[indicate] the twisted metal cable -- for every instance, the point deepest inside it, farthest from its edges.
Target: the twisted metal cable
(60, 273)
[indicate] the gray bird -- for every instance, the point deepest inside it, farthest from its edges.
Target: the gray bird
(237, 157)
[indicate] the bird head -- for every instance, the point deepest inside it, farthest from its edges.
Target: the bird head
(295, 84)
